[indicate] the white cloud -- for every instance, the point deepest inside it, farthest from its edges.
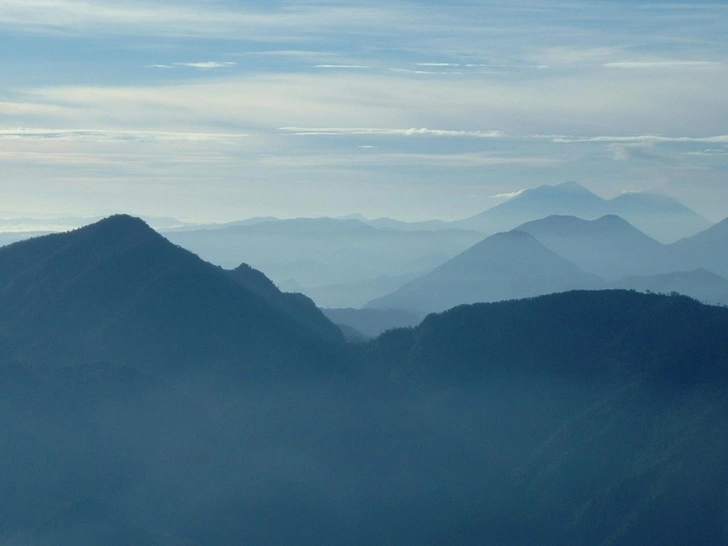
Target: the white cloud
(424, 72)
(437, 64)
(95, 135)
(662, 64)
(207, 65)
(418, 160)
(509, 195)
(344, 131)
(710, 152)
(196, 18)
(634, 139)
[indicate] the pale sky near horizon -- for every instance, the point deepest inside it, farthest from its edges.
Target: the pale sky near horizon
(216, 110)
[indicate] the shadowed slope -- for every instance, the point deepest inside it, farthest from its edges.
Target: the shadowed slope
(117, 290)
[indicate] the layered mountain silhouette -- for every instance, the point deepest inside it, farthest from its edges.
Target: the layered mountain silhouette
(657, 215)
(118, 291)
(585, 417)
(507, 265)
(706, 249)
(609, 246)
(338, 262)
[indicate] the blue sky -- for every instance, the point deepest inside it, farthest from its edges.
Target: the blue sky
(218, 110)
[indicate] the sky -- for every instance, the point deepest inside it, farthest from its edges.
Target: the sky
(219, 110)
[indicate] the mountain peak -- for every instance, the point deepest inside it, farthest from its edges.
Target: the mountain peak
(571, 186)
(121, 224)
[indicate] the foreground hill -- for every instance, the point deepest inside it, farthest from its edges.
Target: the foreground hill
(605, 411)
(118, 291)
(579, 334)
(578, 418)
(504, 266)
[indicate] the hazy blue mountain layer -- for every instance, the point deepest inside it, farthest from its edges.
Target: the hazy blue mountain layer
(372, 322)
(657, 215)
(325, 251)
(150, 398)
(504, 266)
(609, 246)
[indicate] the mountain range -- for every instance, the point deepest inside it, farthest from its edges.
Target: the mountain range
(148, 397)
(336, 260)
(504, 266)
(656, 214)
(348, 261)
(604, 253)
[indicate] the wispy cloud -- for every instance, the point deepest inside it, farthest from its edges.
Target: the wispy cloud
(195, 18)
(207, 65)
(425, 72)
(94, 135)
(342, 66)
(418, 160)
(634, 139)
(662, 64)
(369, 131)
(509, 195)
(710, 152)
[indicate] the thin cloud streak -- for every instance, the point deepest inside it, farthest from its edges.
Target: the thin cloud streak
(662, 64)
(206, 65)
(344, 131)
(633, 139)
(195, 18)
(94, 135)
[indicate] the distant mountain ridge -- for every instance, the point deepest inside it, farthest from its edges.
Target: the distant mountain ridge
(657, 215)
(504, 266)
(608, 246)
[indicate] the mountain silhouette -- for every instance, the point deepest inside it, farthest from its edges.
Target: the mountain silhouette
(118, 291)
(321, 252)
(609, 246)
(584, 334)
(705, 249)
(658, 215)
(585, 417)
(301, 309)
(504, 266)
(566, 199)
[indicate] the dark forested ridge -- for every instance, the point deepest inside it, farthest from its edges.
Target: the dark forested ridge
(149, 398)
(116, 290)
